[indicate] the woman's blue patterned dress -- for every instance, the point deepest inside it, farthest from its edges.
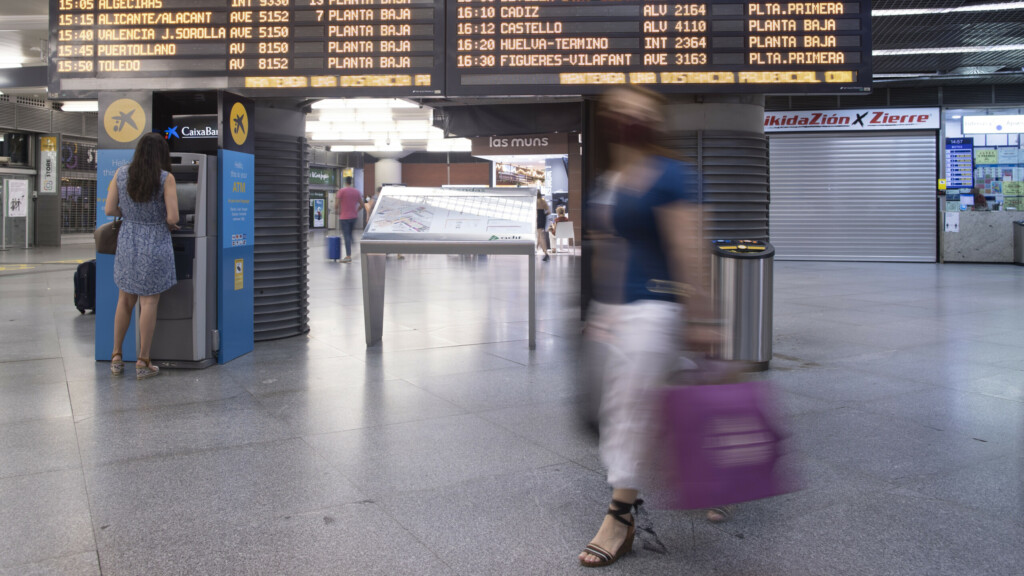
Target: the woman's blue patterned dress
(144, 263)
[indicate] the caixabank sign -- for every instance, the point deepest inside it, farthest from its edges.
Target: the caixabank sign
(193, 133)
(852, 120)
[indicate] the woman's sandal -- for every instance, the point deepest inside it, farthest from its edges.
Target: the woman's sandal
(617, 510)
(719, 514)
(145, 370)
(116, 366)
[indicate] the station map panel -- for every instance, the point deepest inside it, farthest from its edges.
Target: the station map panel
(478, 215)
(458, 47)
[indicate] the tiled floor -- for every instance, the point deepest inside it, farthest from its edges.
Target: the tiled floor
(453, 449)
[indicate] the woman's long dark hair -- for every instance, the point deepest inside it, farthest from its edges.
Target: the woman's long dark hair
(151, 156)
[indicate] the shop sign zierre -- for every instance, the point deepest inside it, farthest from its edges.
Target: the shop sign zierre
(852, 120)
(555, 143)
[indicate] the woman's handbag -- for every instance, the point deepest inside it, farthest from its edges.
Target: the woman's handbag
(106, 237)
(721, 444)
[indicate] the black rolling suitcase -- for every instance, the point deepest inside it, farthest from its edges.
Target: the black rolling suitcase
(85, 286)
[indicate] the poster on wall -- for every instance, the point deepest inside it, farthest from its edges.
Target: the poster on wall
(17, 198)
(318, 214)
(986, 156)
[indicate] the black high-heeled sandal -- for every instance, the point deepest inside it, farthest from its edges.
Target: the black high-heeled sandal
(617, 510)
(718, 514)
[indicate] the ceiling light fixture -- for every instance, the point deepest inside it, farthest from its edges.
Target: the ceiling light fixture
(975, 8)
(947, 50)
(81, 106)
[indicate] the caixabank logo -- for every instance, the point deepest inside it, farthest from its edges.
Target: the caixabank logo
(124, 120)
(239, 124)
(192, 127)
(189, 132)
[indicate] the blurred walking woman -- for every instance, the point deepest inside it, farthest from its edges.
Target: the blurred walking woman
(646, 225)
(145, 195)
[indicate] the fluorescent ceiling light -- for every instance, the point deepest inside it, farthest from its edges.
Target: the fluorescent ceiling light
(81, 106)
(975, 8)
(353, 103)
(902, 75)
(10, 63)
(949, 50)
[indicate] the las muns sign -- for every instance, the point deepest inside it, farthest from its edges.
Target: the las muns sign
(852, 120)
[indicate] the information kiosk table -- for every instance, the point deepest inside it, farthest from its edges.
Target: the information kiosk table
(500, 221)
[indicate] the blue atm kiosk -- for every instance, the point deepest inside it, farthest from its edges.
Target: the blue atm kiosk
(187, 313)
(208, 316)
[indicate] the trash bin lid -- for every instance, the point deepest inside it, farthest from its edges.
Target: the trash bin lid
(742, 248)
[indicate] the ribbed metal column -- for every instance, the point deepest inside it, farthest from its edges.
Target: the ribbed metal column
(725, 138)
(282, 221)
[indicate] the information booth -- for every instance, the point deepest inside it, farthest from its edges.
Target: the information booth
(499, 221)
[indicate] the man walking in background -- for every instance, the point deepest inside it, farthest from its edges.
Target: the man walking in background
(349, 200)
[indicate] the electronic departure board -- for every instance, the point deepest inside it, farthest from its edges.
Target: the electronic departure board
(315, 47)
(585, 46)
(458, 47)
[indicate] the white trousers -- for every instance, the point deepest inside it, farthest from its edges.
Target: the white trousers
(639, 345)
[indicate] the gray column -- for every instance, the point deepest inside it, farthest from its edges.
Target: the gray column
(724, 136)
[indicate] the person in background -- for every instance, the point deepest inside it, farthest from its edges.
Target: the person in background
(980, 204)
(559, 217)
(368, 201)
(349, 200)
(542, 221)
(645, 210)
(144, 194)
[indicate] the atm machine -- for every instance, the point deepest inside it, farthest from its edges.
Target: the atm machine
(186, 324)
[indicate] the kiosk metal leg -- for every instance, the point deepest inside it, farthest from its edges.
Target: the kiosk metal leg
(373, 296)
(533, 301)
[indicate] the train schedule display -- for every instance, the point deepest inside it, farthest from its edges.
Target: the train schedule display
(316, 47)
(423, 48)
(573, 47)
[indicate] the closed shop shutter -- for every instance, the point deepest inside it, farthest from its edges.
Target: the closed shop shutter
(853, 197)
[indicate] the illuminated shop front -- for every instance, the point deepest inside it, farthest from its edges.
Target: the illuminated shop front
(983, 168)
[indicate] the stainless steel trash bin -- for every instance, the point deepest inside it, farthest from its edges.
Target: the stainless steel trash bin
(1018, 242)
(741, 280)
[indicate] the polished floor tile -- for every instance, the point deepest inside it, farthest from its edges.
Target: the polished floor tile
(452, 448)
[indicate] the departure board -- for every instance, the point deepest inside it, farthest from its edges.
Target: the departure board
(315, 47)
(503, 47)
(410, 48)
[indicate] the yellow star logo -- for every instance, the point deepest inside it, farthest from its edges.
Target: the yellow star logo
(124, 120)
(238, 123)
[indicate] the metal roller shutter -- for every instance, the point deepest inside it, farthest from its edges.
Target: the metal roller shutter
(853, 197)
(280, 267)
